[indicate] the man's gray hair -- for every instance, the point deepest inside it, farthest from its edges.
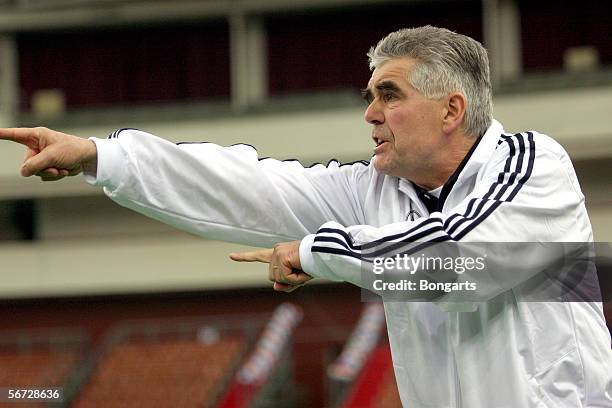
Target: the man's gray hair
(446, 62)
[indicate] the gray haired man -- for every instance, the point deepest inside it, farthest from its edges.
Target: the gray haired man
(443, 171)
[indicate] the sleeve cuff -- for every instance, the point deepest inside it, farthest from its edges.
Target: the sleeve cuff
(306, 259)
(110, 164)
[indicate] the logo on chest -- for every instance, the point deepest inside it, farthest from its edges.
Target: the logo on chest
(413, 215)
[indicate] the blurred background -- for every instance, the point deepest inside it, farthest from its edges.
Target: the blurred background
(84, 279)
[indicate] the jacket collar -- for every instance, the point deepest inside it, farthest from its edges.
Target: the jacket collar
(483, 151)
(475, 159)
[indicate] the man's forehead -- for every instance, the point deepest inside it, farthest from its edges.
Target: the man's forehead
(395, 70)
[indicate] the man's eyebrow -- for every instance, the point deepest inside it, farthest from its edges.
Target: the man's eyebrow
(366, 94)
(388, 86)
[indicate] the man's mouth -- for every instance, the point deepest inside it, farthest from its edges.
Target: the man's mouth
(380, 145)
(378, 141)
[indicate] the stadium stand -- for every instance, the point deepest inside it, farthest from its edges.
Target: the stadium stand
(362, 375)
(41, 359)
(184, 373)
(265, 377)
(362, 341)
(193, 363)
(375, 386)
(165, 363)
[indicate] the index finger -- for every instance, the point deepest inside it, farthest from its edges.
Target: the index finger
(20, 135)
(261, 255)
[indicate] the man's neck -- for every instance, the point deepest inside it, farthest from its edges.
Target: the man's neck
(440, 172)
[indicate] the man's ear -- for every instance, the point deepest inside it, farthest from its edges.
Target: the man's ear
(454, 112)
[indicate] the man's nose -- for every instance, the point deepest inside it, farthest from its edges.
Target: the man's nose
(373, 114)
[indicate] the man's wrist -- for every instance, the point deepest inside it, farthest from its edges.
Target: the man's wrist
(90, 158)
(306, 259)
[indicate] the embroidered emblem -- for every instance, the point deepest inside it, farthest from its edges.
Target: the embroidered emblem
(413, 215)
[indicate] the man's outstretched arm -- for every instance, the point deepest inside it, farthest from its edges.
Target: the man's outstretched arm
(52, 155)
(222, 193)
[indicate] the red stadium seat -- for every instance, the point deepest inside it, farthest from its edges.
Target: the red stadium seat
(168, 374)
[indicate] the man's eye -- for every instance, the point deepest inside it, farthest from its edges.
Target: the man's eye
(387, 97)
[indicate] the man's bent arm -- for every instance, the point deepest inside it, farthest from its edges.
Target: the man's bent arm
(534, 199)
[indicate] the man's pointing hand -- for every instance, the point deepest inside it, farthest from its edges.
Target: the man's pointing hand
(284, 267)
(52, 155)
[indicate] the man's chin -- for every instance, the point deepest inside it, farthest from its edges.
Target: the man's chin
(380, 165)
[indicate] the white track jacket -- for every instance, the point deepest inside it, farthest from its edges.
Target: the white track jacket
(501, 353)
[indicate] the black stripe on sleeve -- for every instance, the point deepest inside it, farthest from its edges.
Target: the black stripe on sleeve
(116, 133)
(421, 222)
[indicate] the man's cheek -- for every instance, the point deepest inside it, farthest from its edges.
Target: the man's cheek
(396, 115)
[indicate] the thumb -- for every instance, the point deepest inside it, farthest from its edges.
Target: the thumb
(36, 163)
(52, 171)
(29, 153)
(285, 287)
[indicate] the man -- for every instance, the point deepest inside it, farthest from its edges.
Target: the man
(443, 170)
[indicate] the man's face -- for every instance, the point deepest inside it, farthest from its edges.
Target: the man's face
(407, 127)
